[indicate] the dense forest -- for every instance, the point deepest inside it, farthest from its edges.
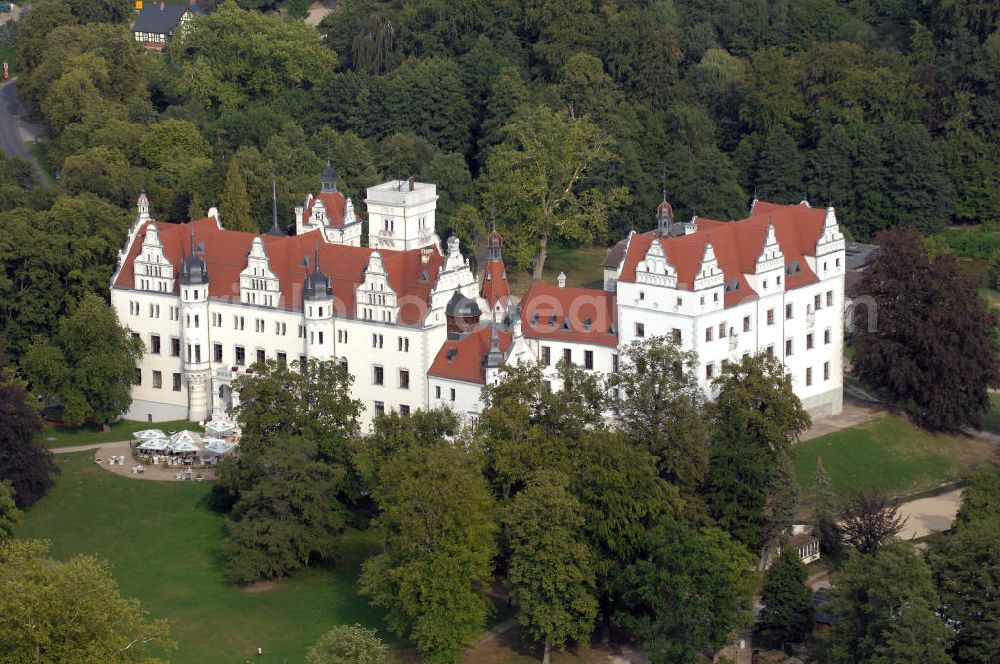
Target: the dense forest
(889, 110)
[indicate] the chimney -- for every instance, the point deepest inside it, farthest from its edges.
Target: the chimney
(562, 280)
(411, 183)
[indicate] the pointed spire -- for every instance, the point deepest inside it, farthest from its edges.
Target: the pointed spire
(316, 268)
(275, 229)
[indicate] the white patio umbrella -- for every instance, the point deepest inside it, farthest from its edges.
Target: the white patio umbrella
(219, 427)
(182, 446)
(219, 447)
(186, 436)
(149, 434)
(154, 445)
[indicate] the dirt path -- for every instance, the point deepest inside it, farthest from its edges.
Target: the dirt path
(930, 515)
(318, 11)
(852, 415)
(84, 448)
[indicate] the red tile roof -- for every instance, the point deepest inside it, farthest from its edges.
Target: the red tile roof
(581, 315)
(737, 244)
(226, 252)
(334, 203)
(495, 287)
(467, 356)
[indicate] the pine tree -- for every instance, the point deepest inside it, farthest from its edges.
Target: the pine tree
(826, 512)
(235, 204)
(787, 616)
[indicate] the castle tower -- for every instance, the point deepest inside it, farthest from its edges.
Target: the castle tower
(401, 215)
(196, 351)
(317, 305)
(495, 289)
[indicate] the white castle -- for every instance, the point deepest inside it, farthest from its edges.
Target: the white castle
(415, 327)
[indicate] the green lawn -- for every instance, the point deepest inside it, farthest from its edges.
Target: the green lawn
(891, 453)
(582, 266)
(57, 436)
(992, 420)
(164, 546)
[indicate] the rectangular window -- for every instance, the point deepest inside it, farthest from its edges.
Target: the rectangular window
(137, 379)
(260, 355)
(829, 298)
(676, 335)
(404, 379)
(770, 350)
(770, 316)
(320, 333)
(135, 335)
(722, 330)
(453, 394)
(154, 344)
(568, 355)
(746, 323)
(809, 376)
(217, 352)
(282, 359)
(378, 375)
(809, 341)
(175, 347)
(197, 353)
(177, 382)
(788, 347)
(437, 391)
(826, 371)
(546, 356)
(710, 370)
(640, 330)
(404, 410)
(614, 362)
(379, 408)
(588, 359)
(241, 356)
(826, 336)
(302, 331)
(788, 312)
(817, 302)
(709, 333)
(189, 352)
(157, 380)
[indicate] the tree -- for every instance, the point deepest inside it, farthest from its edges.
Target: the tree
(289, 516)
(883, 602)
(551, 574)
(438, 521)
(826, 512)
(10, 516)
(687, 593)
(932, 349)
(235, 204)
(966, 567)
(101, 11)
(869, 520)
(348, 644)
(24, 463)
(787, 616)
(70, 611)
(754, 420)
(90, 367)
(393, 433)
(537, 180)
(660, 407)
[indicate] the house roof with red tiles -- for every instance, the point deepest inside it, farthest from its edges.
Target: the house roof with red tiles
(579, 315)
(334, 203)
(465, 359)
(225, 256)
(737, 245)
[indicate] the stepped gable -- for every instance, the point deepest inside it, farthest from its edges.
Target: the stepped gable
(465, 359)
(578, 315)
(334, 203)
(737, 245)
(226, 251)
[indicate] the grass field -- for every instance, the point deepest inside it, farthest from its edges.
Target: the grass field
(891, 453)
(164, 546)
(57, 436)
(582, 266)
(992, 420)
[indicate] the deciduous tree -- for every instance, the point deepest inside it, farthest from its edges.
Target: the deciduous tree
(89, 367)
(932, 348)
(537, 179)
(551, 570)
(869, 520)
(24, 463)
(439, 522)
(70, 611)
(10, 516)
(348, 644)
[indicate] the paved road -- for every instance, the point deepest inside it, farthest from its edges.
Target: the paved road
(12, 130)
